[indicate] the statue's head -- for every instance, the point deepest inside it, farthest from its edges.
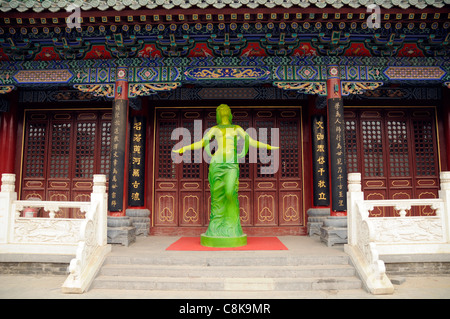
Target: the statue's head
(223, 110)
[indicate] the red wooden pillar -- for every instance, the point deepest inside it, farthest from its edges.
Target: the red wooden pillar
(336, 142)
(446, 121)
(8, 137)
(118, 165)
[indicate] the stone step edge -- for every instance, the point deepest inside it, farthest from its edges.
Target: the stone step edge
(234, 271)
(152, 267)
(238, 284)
(228, 261)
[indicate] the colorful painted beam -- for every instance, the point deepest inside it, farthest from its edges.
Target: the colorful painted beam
(148, 76)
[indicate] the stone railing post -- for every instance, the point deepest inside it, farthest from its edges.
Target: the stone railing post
(92, 247)
(444, 194)
(354, 194)
(100, 196)
(7, 196)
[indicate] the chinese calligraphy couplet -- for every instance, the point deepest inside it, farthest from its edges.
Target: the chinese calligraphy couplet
(321, 190)
(337, 155)
(118, 143)
(117, 163)
(136, 167)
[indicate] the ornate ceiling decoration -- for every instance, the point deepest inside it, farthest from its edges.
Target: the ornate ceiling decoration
(60, 5)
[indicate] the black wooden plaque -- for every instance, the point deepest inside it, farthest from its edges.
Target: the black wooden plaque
(136, 166)
(321, 190)
(117, 163)
(338, 164)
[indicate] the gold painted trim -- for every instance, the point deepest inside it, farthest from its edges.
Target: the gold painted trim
(246, 216)
(401, 194)
(191, 185)
(168, 117)
(84, 184)
(241, 185)
(400, 183)
(376, 183)
(171, 217)
(86, 116)
(38, 184)
(272, 214)
(289, 187)
(59, 184)
(304, 221)
(153, 173)
(291, 114)
(191, 115)
(396, 114)
(265, 185)
(264, 114)
(437, 139)
(62, 116)
(196, 214)
(160, 185)
(297, 215)
(426, 182)
(239, 114)
(427, 193)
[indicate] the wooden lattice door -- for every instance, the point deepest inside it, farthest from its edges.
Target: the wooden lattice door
(395, 151)
(62, 152)
(269, 195)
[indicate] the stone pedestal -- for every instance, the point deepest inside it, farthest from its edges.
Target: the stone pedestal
(316, 216)
(120, 231)
(334, 230)
(140, 218)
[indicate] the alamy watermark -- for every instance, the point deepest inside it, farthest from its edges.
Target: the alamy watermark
(374, 20)
(231, 140)
(74, 19)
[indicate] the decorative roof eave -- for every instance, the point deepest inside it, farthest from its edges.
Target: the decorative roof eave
(118, 5)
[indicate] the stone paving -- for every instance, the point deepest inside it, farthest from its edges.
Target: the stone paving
(49, 287)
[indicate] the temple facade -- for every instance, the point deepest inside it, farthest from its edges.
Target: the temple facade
(110, 87)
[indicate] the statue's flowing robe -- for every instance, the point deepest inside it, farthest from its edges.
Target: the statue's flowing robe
(224, 186)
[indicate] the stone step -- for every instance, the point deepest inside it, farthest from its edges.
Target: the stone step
(307, 265)
(226, 284)
(143, 270)
(228, 260)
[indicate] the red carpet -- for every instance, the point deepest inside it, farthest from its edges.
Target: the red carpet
(253, 243)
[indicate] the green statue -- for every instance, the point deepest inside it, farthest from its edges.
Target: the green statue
(224, 228)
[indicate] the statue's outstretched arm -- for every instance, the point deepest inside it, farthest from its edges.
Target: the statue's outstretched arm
(255, 143)
(197, 145)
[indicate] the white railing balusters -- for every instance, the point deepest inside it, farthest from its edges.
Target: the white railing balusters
(83, 237)
(370, 237)
(92, 247)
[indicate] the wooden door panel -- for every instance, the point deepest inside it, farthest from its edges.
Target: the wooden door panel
(191, 208)
(396, 152)
(266, 213)
(245, 208)
(62, 152)
(290, 208)
(166, 210)
(191, 203)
